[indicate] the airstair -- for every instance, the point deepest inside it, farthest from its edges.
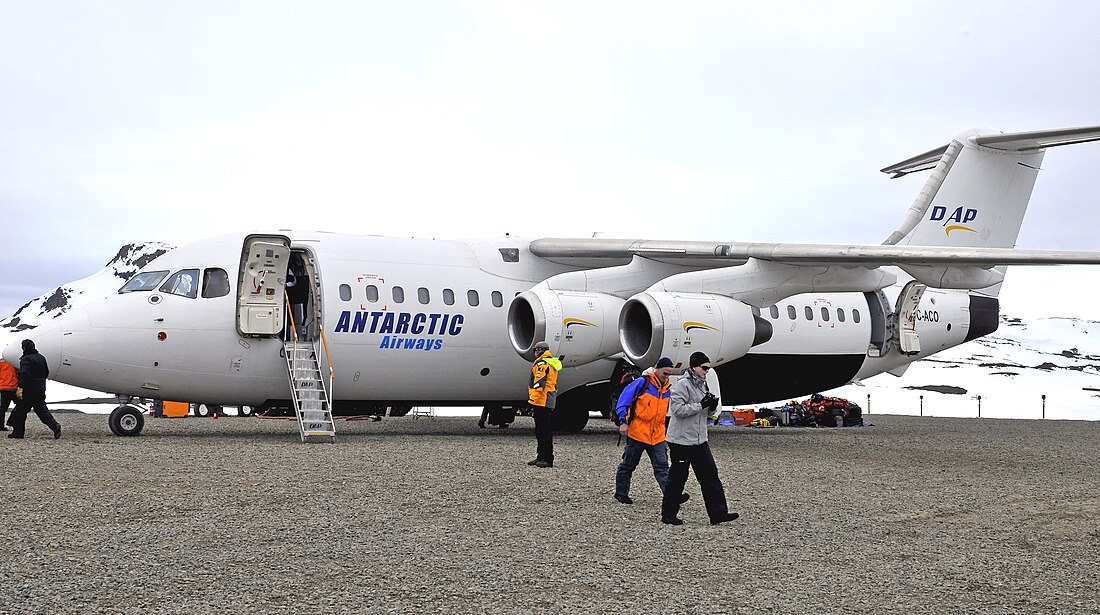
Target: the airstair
(312, 398)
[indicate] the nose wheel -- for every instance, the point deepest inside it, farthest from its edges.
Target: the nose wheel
(126, 421)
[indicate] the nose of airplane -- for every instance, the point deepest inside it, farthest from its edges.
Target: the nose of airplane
(12, 352)
(47, 340)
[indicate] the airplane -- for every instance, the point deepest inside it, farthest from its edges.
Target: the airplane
(401, 322)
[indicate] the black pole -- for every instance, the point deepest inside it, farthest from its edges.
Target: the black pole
(979, 406)
(922, 405)
(1044, 406)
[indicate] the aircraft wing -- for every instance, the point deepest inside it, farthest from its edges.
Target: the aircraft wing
(726, 254)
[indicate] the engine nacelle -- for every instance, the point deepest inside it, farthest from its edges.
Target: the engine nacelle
(674, 325)
(580, 327)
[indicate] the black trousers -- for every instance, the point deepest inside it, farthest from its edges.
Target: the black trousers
(6, 397)
(19, 415)
(699, 459)
(544, 433)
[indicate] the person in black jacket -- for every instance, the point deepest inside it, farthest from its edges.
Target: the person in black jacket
(32, 373)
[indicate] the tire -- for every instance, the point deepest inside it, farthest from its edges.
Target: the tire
(245, 410)
(570, 419)
(206, 410)
(400, 410)
(126, 421)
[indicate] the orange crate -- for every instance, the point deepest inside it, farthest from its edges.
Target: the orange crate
(743, 416)
(176, 409)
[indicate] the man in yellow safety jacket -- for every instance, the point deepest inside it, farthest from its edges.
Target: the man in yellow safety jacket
(542, 394)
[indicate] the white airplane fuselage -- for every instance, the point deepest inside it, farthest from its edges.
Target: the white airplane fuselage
(434, 346)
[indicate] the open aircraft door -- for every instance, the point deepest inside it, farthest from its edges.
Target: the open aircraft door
(261, 284)
(908, 301)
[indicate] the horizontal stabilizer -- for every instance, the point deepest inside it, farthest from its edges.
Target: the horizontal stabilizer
(1006, 141)
(1039, 139)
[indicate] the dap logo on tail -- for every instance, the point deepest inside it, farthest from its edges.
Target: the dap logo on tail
(956, 221)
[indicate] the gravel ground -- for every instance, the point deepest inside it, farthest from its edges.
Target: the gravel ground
(913, 515)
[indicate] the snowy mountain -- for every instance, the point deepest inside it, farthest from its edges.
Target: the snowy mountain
(130, 258)
(1011, 370)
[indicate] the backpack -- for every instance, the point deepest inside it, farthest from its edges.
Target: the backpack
(630, 374)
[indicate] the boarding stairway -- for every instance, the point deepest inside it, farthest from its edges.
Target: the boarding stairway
(312, 398)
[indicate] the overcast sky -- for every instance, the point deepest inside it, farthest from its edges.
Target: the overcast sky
(169, 121)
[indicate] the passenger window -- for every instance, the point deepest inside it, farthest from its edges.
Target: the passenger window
(215, 283)
(498, 299)
(372, 293)
(184, 283)
(398, 294)
(774, 311)
(448, 296)
(471, 296)
(809, 313)
(855, 316)
(840, 314)
(345, 292)
(825, 314)
(144, 281)
(791, 312)
(755, 311)
(423, 296)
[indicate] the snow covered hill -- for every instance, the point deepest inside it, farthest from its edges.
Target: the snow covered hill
(1011, 370)
(130, 258)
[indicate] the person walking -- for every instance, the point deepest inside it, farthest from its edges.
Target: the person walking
(691, 402)
(32, 374)
(542, 394)
(9, 382)
(641, 411)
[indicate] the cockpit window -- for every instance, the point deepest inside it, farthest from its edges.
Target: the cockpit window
(215, 283)
(146, 280)
(184, 283)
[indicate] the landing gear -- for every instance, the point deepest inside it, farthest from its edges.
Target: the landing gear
(571, 412)
(570, 418)
(245, 411)
(126, 421)
(205, 410)
(499, 416)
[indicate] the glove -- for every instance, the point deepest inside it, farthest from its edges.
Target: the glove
(709, 402)
(19, 393)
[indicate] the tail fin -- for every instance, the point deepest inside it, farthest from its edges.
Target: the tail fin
(979, 189)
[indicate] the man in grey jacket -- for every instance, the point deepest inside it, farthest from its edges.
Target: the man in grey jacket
(690, 403)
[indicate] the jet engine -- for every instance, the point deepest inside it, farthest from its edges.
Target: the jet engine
(579, 326)
(674, 325)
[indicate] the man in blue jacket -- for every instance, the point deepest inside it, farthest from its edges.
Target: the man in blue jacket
(641, 410)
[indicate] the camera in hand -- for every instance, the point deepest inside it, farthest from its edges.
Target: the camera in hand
(709, 401)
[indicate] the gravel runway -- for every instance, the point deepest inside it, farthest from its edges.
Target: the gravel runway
(913, 515)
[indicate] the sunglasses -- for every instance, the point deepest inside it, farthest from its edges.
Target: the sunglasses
(705, 368)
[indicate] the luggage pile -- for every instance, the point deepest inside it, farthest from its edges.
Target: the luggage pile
(817, 411)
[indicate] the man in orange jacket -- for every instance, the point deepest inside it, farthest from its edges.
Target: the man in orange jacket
(9, 382)
(641, 409)
(542, 395)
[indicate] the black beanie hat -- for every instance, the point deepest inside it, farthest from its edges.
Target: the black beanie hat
(698, 358)
(28, 346)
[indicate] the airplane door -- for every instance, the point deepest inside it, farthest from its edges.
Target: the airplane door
(908, 300)
(261, 284)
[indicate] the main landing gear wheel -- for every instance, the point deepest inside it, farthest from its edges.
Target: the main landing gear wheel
(126, 421)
